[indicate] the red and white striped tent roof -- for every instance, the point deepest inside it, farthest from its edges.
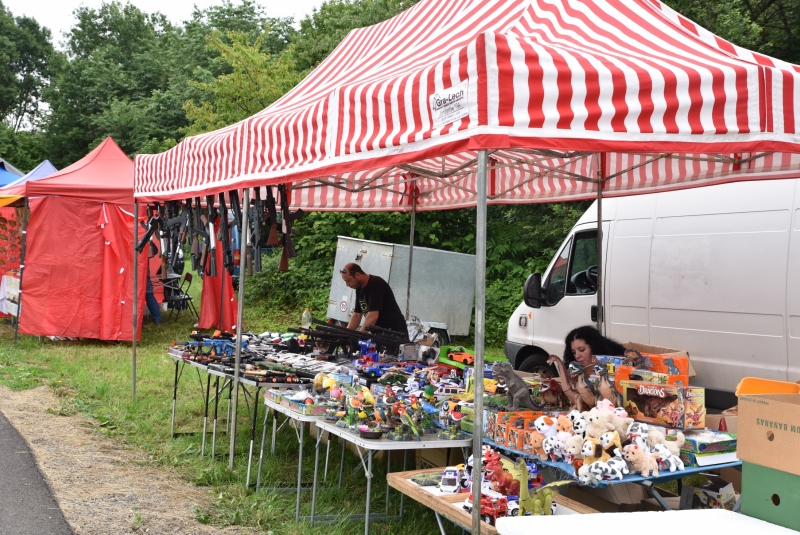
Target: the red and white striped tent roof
(544, 85)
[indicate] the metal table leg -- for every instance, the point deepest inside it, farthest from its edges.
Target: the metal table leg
(439, 521)
(403, 496)
(341, 463)
(369, 490)
(230, 405)
(388, 469)
(299, 473)
(205, 414)
(216, 408)
(327, 455)
(261, 453)
(274, 429)
(174, 401)
(654, 493)
(316, 475)
(252, 435)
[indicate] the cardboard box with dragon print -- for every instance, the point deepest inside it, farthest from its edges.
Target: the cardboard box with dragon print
(510, 426)
(681, 407)
(629, 373)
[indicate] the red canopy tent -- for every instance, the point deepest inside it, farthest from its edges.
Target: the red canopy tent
(458, 103)
(78, 278)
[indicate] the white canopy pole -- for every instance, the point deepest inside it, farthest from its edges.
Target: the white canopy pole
(411, 247)
(600, 178)
(135, 297)
(245, 242)
(480, 328)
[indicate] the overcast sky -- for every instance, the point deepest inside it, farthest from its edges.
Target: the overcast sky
(57, 14)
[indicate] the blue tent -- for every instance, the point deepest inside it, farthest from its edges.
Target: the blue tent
(42, 170)
(8, 173)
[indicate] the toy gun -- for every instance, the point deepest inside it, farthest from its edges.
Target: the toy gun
(258, 218)
(211, 246)
(272, 220)
(287, 220)
(225, 237)
(152, 226)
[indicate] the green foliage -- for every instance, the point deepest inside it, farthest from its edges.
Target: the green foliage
(24, 149)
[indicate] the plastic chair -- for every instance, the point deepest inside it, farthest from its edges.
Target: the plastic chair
(182, 299)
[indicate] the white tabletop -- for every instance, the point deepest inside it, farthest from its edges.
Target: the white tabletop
(384, 444)
(653, 523)
(290, 413)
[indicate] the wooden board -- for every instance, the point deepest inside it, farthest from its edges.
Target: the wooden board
(444, 504)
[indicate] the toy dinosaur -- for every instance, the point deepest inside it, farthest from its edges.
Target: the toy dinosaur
(516, 390)
(540, 503)
(567, 385)
(588, 397)
(606, 388)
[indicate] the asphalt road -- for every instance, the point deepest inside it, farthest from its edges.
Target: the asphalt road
(27, 505)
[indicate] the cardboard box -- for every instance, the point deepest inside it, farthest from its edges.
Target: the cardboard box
(731, 422)
(769, 434)
(708, 459)
(508, 420)
(771, 495)
(438, 458)
(680, 407)
(716, 493)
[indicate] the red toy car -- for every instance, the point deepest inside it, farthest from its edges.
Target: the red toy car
(493, 506)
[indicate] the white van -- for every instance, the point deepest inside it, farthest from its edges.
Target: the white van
(714, 271)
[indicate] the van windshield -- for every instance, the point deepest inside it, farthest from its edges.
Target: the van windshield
(556, 285)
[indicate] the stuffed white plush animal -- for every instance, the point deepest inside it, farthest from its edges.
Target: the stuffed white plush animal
(546, 426)
(586, 476)
(602, 470)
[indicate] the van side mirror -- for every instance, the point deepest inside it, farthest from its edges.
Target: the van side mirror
(532, 294)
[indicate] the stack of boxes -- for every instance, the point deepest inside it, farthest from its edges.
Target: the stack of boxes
(706, 448)
(769, 442)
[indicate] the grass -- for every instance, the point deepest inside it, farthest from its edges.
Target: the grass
(94, 379)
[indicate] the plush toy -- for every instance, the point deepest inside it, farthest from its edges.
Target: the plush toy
(654, 437)
(666, 459)
(621, 412)
(610, 442)
(586, 476)
(597, 423)
(574, 414)
(563, 424)
(579, 426)
(605, 404)
(572, 448)
(620, 425)
(546, 426)
(637, 433)
(601, 470)
(592, 451)
(553, 448)
(537, 439)
(641, 460)
(618, 462)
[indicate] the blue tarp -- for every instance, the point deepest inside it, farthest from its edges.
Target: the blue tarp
(6, 178)
(43, 170)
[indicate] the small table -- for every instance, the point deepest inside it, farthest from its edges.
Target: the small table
(371, 446)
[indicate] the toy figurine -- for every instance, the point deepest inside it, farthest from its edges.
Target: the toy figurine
(567, 384)
(588, 396)
(606, 388)
(641, 460)
(516, 390)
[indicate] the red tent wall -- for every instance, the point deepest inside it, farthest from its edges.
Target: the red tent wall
(77, 281)
(212, 297)
(10, 239)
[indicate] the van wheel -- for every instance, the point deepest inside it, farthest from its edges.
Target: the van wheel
(537, 363)
(442, 339)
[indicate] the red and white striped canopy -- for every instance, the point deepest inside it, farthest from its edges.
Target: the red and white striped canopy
(543, 85)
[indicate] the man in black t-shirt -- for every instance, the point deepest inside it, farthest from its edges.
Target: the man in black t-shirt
(374, 298)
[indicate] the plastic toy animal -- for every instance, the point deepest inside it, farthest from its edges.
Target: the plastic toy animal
(606, 388)
(567, 384)
(588, 397)
(516, 390)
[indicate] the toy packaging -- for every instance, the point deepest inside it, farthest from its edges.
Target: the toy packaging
(680, 407)
(716, 493)
(516, 421)
(629, 373)
(611, 362)
(708, 441)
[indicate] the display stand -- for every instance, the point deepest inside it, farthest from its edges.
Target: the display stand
(648, 483)
(451, 507)
(370, 446)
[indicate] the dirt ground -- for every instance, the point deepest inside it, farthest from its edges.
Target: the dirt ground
(101, 487)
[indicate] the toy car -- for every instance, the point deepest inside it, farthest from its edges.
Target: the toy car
(462, 356)
(451, 480)
(493, 506)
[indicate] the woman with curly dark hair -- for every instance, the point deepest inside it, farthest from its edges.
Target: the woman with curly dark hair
(584, 342)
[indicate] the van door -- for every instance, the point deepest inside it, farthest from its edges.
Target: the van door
(793, 292)
(570, 290)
